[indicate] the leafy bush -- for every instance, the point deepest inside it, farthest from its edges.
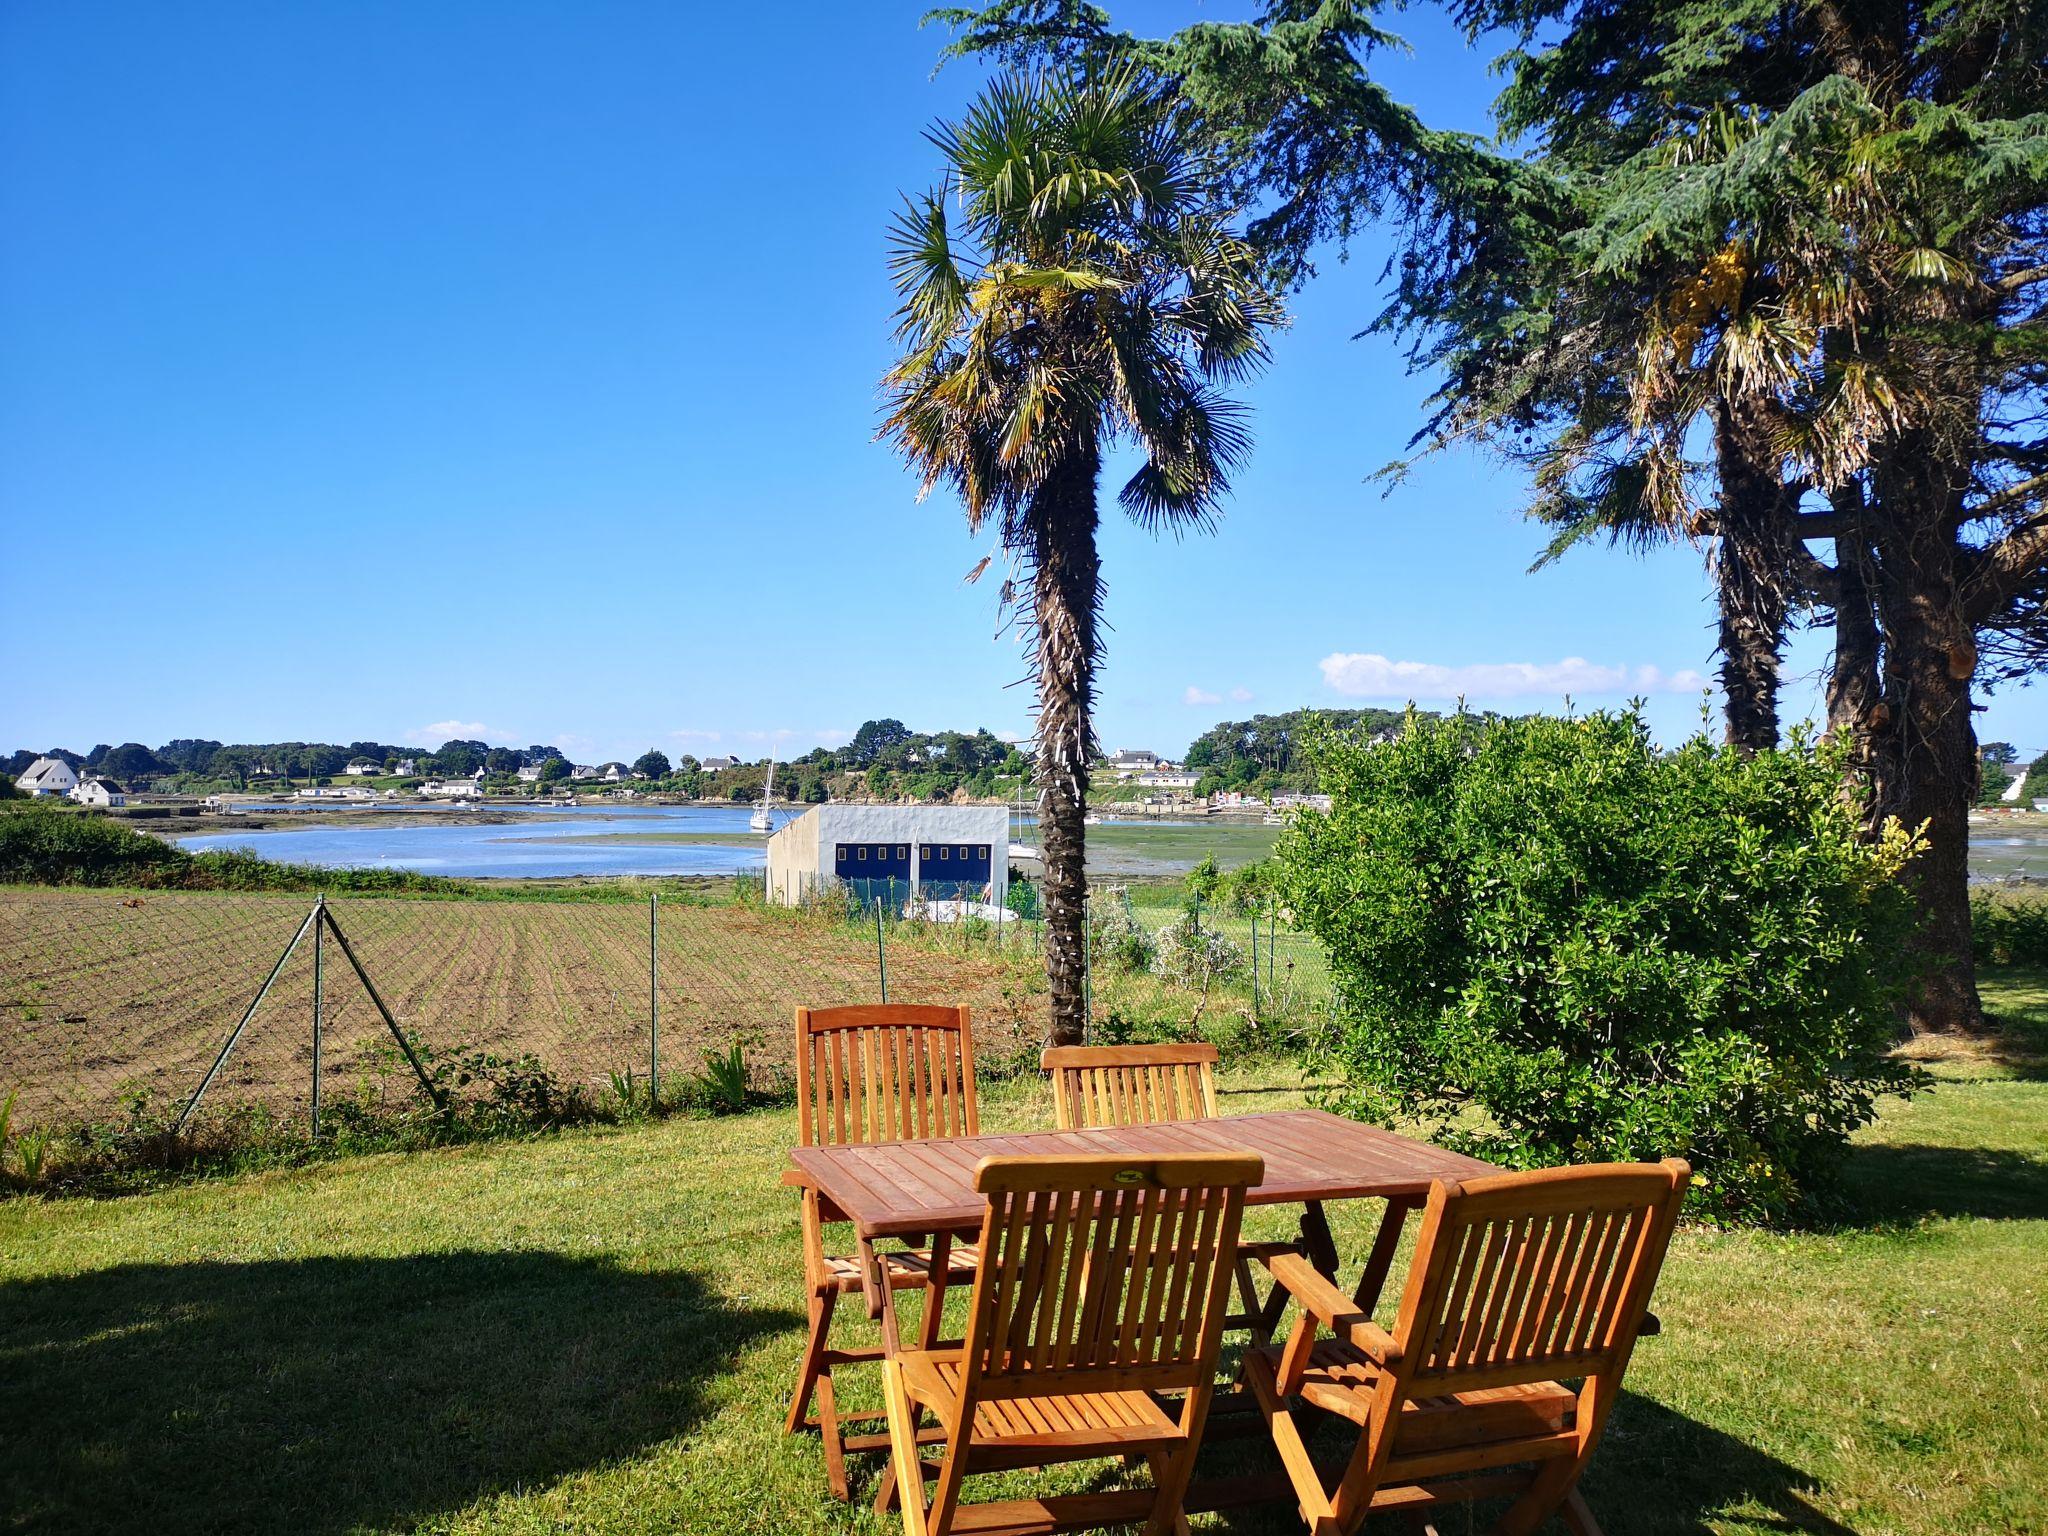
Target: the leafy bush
(41, 845)
(1190, 955)
(1554, 944)
(1249, 888)
(1116, 939)
(1022, 898)
(2009, 928)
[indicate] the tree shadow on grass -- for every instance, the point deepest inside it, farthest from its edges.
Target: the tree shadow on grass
(1656, 1473)
(1885, 1184)
(331, 1394)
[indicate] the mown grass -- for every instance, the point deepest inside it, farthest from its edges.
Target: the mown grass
(593, 1331)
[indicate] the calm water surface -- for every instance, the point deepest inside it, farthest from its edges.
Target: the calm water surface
(544, 843)
(538, 844)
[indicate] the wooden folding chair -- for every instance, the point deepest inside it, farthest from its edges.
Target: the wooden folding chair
(1102, 1284)
(1141, 1085)
(1518, 1280)
(896, 1072)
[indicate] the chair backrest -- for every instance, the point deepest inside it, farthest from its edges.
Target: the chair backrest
(1103, 1273)
(1527, 1276)
(1131, 1084)
(892, 1072)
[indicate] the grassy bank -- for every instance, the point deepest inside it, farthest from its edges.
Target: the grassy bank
(594, 1331)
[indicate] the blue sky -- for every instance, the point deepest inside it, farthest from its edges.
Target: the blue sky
(395, 371)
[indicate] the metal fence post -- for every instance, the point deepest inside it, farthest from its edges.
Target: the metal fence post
(1087, 966)
(319, 1000)
(1255, 962)
(653, 1002)
(881, 952)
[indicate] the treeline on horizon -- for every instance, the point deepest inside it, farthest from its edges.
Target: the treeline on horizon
(1255, 756)
(1258, 754)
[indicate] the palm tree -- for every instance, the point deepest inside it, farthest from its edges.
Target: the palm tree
(1092, 295)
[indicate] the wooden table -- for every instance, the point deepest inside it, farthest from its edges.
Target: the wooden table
(917, 1188)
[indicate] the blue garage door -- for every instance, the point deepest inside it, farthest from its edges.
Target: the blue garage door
(872, 868)
(947, 871)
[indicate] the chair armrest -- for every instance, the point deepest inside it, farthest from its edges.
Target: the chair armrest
(1338, 1312)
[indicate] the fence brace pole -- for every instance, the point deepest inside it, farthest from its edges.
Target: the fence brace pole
(348, 953)
(653, 1002)
(319, 1002)
(248, 1013)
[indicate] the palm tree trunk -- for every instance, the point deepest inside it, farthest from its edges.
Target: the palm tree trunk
(1749, 563)
(1066, 591)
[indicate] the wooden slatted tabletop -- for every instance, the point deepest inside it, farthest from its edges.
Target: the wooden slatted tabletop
(897, 1188)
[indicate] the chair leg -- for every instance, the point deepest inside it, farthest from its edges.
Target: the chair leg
(834, 1441)
(1550, 1492)
(1169, 1473)
(1577, 1516)
(903, 1450)
(812, 1366)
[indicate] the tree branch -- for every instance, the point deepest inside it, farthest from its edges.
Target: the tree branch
(2000, 572)
(2006, 496)
(2013, 282)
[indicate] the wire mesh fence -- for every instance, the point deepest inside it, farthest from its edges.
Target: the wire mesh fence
(114, 1006)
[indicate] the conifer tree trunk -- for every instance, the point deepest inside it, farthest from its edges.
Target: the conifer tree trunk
(1923, 753)
(1066, 589)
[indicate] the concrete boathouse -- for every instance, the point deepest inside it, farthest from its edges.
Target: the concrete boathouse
(928, 852)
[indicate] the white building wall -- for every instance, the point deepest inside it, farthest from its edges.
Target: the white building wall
(800, 856)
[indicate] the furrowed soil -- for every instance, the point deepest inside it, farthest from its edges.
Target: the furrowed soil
(110, 996)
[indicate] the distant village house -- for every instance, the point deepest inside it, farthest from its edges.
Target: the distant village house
(451, 789)
(47, 776)
(100, 792)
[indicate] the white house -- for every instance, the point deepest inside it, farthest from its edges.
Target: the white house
(1168, 778)
(1128, 761)
(718, 764)
(530, 774)
(451, 789)
(103, 792)
(583, 771)
(47, 776)
(406, 766)
(363, 768)
(613, 772)
(929, 852)
(1287, 797)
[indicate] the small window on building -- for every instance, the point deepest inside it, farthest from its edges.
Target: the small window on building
(963, 853)
(945, 853)
(981, 852)
(841, 853)
(863, 855)
(902, 853)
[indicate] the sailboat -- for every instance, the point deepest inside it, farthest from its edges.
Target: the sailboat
(761, 821)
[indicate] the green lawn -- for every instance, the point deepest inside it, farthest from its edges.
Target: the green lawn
(593, 1332)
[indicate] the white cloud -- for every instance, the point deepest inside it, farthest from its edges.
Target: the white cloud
(1366, 675)
(694, 736)
(1196, 695)
(1240, 695)
(451, 730)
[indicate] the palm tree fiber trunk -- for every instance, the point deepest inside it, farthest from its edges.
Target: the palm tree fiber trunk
(1066, 592)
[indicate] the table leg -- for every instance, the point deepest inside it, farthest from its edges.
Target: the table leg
(935, 1290)
(1381, 1259)
(1316, 1241)
(874, 1289)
